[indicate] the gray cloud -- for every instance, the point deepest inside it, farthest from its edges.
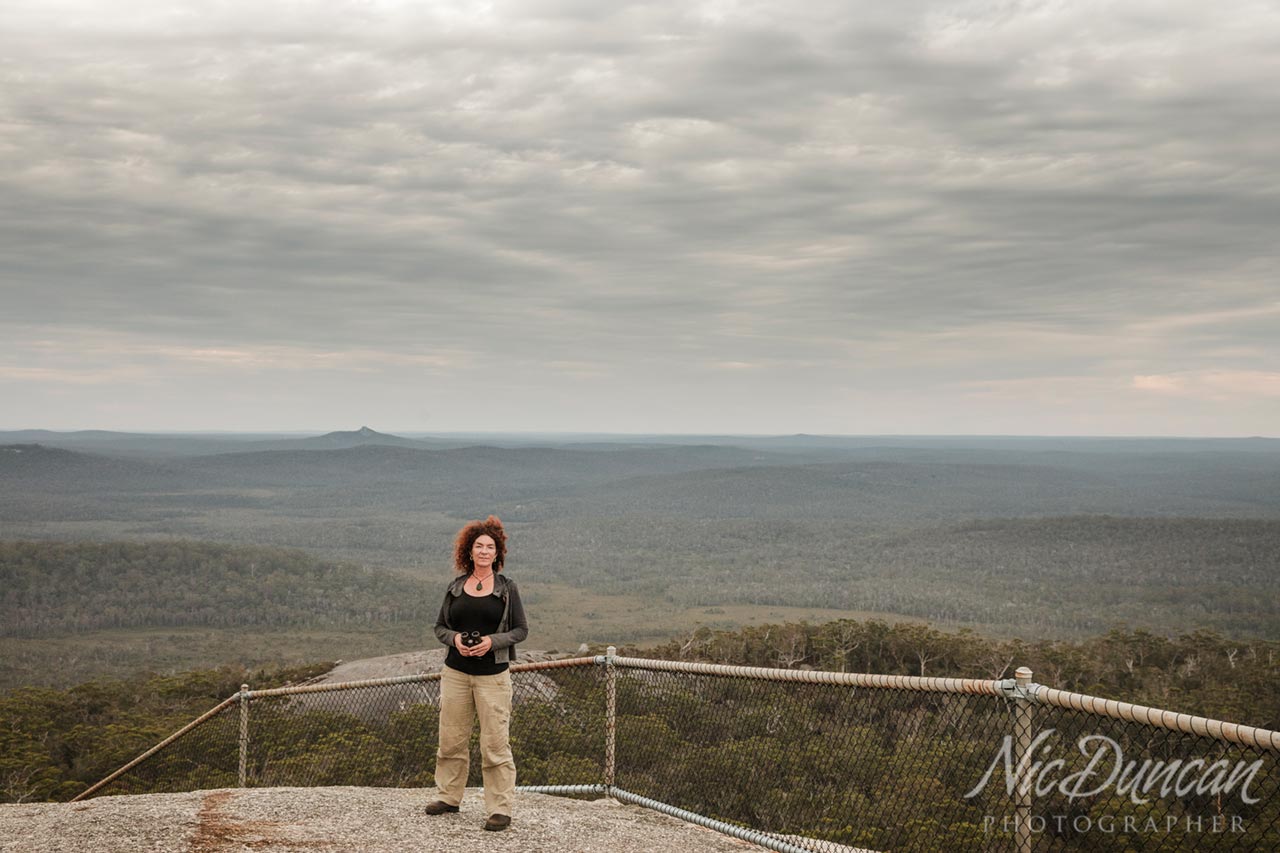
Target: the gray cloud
(770, 217)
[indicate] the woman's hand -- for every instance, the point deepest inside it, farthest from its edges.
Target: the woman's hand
(475, 651)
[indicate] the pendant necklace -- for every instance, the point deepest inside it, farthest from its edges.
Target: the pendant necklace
(480, 581)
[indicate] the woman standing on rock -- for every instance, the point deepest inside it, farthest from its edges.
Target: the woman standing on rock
(481, 620)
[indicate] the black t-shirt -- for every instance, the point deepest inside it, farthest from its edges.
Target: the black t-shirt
(471, 613)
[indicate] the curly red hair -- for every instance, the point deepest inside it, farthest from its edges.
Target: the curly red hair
(467, 536)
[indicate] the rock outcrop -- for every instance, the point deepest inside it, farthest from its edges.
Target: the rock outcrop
(370, 820)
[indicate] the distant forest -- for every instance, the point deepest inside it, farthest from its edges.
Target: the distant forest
(339, 539)
(51, 589)
(1036, 577)
(1031, 577)
(52, 593)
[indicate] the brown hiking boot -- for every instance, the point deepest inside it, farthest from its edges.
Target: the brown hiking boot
(497, 822)
(439, 807)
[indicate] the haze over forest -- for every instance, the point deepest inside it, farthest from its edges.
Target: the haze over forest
(624, 539)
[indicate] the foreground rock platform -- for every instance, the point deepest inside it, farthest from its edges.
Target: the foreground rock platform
(370, 820)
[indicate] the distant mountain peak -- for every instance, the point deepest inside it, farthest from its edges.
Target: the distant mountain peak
(356, 438)
(363, 432)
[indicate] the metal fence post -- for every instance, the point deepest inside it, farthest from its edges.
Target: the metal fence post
(244, 733)
(1023, 713)
(610, 716)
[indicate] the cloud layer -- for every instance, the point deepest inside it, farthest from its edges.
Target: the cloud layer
(720, 216)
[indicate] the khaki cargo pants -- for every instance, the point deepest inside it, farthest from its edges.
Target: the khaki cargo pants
(462, 698)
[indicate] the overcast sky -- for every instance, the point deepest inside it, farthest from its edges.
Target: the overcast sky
(668, 216)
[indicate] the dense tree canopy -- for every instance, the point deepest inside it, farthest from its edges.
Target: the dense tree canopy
(48, 589)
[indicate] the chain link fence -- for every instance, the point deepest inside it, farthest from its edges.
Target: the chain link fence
(378, 733)
(792, 760)
(861, 767)
(835, 762)
(1136, 778)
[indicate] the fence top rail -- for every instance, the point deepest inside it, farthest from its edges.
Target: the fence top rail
(1170, 720)
(416, 678)
(849, 679)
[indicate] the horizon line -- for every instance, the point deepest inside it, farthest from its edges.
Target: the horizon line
(649, 434)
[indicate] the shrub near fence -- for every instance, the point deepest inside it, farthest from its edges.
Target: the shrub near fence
(805, 760)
